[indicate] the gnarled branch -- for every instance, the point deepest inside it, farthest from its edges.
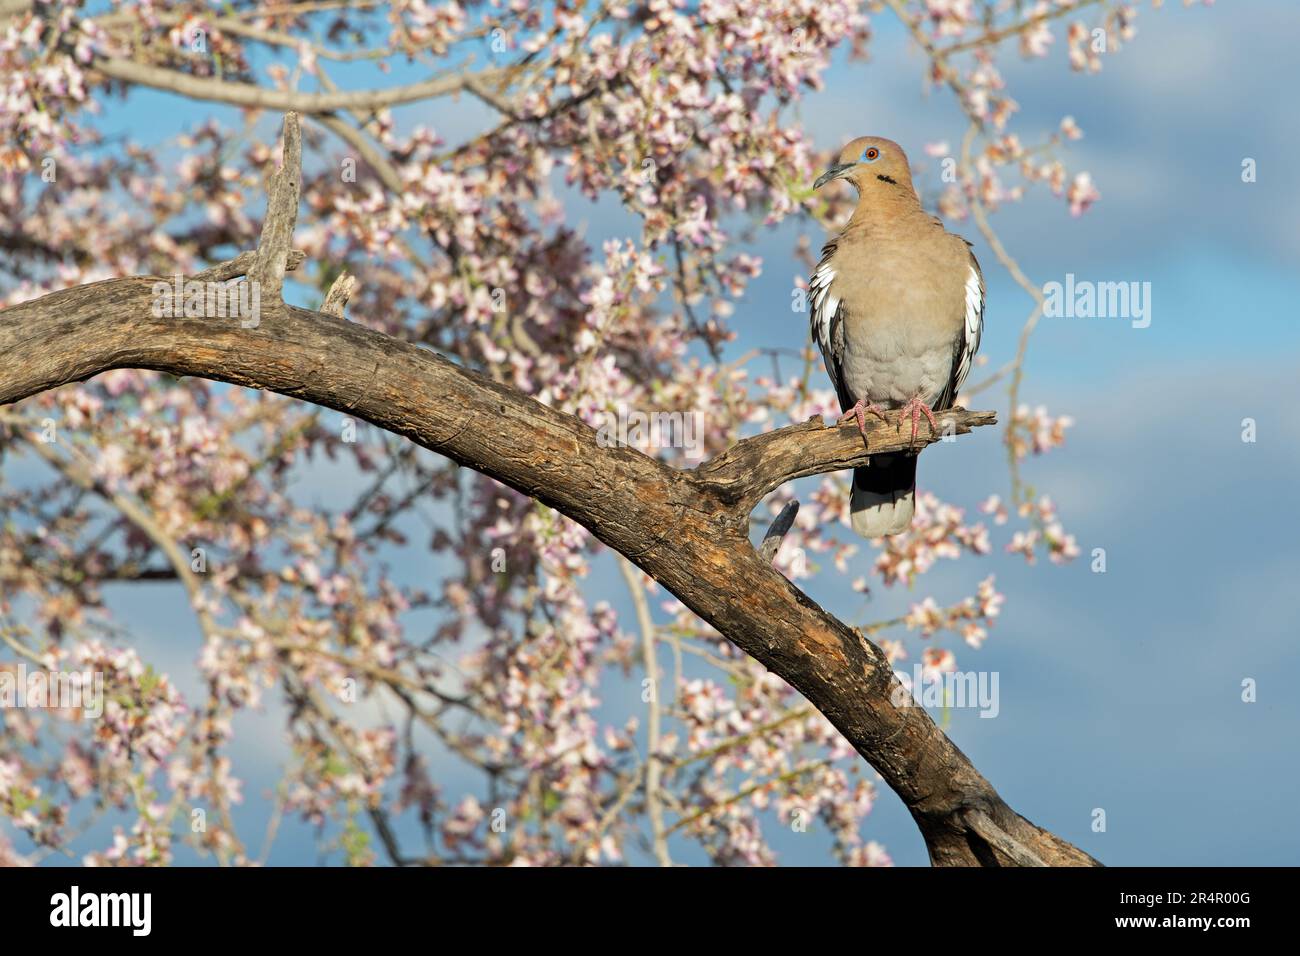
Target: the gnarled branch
(754, 467)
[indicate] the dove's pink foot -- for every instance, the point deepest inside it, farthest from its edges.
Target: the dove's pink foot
(916, 408)
(859, 412)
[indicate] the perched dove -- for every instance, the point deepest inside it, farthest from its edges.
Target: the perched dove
(897, 310)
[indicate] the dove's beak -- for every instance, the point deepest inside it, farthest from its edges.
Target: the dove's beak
(835, 172)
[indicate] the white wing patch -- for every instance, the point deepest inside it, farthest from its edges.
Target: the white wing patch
(824, 306)
(973, 329)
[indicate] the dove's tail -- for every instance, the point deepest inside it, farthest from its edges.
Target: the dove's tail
(884, 495)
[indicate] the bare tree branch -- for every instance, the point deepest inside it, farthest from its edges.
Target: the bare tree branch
(653, 759)
(756, 466)
(777, 532)
(242, 263)
(260, 97)
(281, 215)
(341, 289)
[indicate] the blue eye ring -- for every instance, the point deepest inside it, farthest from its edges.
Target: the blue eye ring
(869, 155)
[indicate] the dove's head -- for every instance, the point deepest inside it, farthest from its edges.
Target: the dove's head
(870, 163)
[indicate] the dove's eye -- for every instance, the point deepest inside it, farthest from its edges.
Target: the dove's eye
(870, 154)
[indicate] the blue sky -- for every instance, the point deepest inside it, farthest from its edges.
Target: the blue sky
(1121, 690)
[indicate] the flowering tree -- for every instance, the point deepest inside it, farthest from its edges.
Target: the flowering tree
(483, 331)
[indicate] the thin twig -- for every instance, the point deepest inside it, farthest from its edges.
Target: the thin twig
(776, 534)
(654, 761)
